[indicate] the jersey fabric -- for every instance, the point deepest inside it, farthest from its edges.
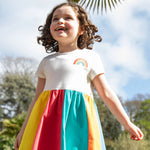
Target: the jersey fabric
(65, 116)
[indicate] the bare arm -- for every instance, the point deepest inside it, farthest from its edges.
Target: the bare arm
(114, 105)
(39, 89)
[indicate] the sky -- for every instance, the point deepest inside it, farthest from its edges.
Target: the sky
(124, 49)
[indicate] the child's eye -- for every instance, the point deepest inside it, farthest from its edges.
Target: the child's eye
(68, 18)
(54, 19)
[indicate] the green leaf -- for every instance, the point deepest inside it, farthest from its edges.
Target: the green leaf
(83, 2)
(92, 3)
(99, 4)
(87, 4)
(102, 6)
(76, 1)
(109, 4)
(95, 5)
(113, 3)
(105, 4)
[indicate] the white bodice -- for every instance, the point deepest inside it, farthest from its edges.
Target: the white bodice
(70, 70)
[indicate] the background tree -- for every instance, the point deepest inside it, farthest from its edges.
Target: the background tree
(142, 117)
(111, 127)
(16, 93)
(18, 65)
(17, 89)
(17, 85)
(132, 107)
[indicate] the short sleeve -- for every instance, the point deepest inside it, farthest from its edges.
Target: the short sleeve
(40, 70)
(96, 66)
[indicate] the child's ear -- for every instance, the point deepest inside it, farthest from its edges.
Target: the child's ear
(81, 30)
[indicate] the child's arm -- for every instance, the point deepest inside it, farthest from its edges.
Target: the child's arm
(39, 89)
(113, 103)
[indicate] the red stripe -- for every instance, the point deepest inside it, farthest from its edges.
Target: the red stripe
(49, 131)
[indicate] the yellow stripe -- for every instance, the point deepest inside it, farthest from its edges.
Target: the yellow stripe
(94, 142)
(33, 122)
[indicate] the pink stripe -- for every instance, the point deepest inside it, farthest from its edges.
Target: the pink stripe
(48, 135)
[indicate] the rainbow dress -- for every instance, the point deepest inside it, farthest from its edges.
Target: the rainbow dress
(65, 116)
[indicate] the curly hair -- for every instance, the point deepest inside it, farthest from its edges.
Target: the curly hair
(86, 40)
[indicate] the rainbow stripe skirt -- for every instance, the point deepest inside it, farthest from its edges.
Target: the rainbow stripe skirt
(63, 120)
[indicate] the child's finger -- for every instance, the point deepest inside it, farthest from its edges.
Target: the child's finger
(140, 134)
(136, 133)
(133, 137)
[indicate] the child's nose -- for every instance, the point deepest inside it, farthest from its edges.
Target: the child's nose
(61, 21)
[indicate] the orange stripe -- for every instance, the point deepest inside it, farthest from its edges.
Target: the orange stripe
(35, 117)
(94, 142)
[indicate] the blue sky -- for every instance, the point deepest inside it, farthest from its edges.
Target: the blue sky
(124, 49)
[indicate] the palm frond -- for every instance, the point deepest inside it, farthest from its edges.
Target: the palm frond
(115, 1)
(102, 5)
(82, 2)
(105, 4)
(95, 5)
(112, 1)
(92, 3)
(76, 1)
(109, 4)
(98, 5)
(87, 4)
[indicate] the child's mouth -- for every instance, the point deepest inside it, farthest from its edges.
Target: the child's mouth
(61, 29)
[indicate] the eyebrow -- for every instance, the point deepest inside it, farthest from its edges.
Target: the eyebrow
(55, 16)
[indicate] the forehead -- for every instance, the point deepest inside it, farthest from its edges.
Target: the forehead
(64, 10)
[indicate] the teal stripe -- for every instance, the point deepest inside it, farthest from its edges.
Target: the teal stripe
(74, 133)
(100, 128)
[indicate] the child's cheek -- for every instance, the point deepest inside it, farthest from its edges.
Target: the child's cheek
(52, 29)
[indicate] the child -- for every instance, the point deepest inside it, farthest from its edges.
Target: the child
(63, 115)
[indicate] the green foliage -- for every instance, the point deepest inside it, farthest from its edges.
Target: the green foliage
(11, 127)
(97, 4)
(132, 107)
(76, 1)
(16, 92)
(125, 143)
(111, 127)
(17, 85)
(142, 117)
(7, 143)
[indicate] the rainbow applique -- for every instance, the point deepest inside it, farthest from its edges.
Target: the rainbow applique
(81, 61)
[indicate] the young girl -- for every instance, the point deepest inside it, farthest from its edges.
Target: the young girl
(63, 115)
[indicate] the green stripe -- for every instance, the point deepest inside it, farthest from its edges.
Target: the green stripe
(74, 133)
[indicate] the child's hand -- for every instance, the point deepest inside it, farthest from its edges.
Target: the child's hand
(134, 131)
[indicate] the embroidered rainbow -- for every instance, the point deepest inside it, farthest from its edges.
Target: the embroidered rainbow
(81, 61)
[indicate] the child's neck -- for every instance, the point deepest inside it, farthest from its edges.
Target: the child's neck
(67, 48)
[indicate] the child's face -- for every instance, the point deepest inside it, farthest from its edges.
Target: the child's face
(65, 27)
